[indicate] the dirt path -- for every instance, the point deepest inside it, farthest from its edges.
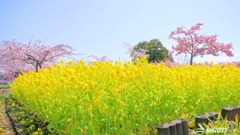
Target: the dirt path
(5, 124)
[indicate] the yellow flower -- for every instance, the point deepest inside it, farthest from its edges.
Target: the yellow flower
(225, 64)
(13, 104)
(210, 96)
(191, 124)
(23, 122)
(74, 97)
(35, 133)
(69, 119)
(140, 87)
(70, 62)
(62, 61)
(1, 129)
(136, 91)
(19, 130)
(122, 103)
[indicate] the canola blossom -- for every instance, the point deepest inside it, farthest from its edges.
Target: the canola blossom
(124, 98)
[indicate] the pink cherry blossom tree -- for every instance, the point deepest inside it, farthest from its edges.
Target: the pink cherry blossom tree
(133, 53)
(99, 59)
(17, 57)
(198, 45)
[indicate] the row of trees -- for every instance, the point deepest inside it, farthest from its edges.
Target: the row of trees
(17, 57)
(188, 42)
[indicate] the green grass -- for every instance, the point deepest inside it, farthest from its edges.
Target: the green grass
(25, 121)
(4, 86)
(32, 123)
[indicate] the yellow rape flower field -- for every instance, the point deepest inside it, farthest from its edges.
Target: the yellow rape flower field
(124, 98)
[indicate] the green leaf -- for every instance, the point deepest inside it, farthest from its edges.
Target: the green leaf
(51, 127)
(76, 132)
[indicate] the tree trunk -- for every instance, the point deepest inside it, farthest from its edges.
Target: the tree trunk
(36, 67)
(191, 59)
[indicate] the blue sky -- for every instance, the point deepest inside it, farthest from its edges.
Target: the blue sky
(100, 27)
